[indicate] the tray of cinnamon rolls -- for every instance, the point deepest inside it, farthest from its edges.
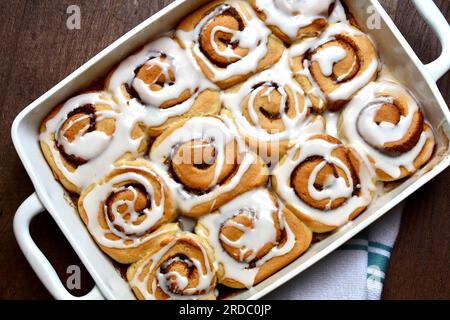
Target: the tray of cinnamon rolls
(216, 155)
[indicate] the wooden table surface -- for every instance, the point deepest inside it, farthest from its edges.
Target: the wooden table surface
(37, 50)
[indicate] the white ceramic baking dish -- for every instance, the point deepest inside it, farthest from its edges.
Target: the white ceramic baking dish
(395, 53)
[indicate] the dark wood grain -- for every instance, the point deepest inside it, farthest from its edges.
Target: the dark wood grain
(37, 51)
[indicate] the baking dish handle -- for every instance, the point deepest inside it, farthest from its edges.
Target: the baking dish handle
(434, 17)
(44, 270)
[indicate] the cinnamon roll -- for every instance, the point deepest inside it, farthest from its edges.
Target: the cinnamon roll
(162, 84)
(207, 164)
(385, 121)
(293, 20)
(127, 209)
(252, 237)
(83, 137)
(335, 66)
(178, 268)
(324, 183)
(270, 109)
(228, 42)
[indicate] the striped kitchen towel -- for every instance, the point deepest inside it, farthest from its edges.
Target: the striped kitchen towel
(356, 271)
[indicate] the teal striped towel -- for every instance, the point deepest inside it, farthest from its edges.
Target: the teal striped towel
(356, 271)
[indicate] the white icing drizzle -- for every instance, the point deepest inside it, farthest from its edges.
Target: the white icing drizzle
(132, 234)
(327, 57)
(260, 207)
(281, 76)
(187, 77)
(359, 127)
(345, 90)
(206, 275)
(332, 119)
(313, 125)
(338, 14)
(101, 151)
(253, 37)
(220, 132)
(292, 15)
(335, 187)
(228, 52)
(86, 145)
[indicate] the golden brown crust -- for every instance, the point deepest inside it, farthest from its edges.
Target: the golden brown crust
(422, 158)
(206, 104)
(303, 238)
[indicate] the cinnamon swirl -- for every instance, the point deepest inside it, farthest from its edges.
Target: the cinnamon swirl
(161, 85)
(253, 236)
(207, 164)
(124, 210)
(270, 110)
(324, 183)
(228, 42)
(335, 66)
(385, 121)
(83, 137)
(179, 267)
